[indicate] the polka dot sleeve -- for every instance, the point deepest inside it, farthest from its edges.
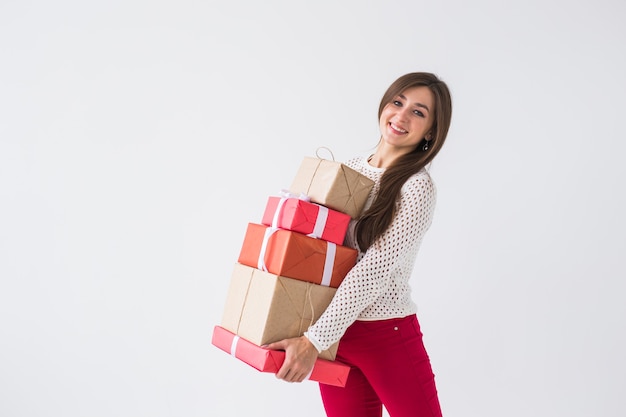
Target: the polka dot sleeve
(377, 287)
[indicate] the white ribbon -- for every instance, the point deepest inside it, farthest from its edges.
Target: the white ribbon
(331, 250)
(261, 261)
(233, 345)
(279, 209)
(284, 195)
(320, 222)
(289, 194)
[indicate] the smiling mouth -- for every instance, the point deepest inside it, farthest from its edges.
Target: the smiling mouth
(397, 128)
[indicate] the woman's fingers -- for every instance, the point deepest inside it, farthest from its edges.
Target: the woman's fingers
(300, 357)
(280, 345)
(292, 375)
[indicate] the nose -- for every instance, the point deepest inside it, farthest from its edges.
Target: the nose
(403, 113)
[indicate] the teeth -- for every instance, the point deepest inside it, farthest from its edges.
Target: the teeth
(398, 128)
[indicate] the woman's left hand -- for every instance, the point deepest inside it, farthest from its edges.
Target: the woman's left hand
(300, 356)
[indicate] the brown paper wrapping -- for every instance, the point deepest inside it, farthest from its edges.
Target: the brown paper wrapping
(332, 184)
(263, 308)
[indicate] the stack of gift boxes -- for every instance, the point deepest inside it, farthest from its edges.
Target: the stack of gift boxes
(290, 266)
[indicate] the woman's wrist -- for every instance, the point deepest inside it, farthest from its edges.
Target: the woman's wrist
(314, 342)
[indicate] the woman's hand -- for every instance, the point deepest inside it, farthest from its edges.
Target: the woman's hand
(300, 356)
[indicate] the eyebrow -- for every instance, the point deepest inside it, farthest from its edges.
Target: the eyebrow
(417, 104)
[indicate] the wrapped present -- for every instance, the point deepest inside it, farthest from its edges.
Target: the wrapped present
(332, 184)
(265, 360)
(294, 255)
(263, 308)
(296, 213)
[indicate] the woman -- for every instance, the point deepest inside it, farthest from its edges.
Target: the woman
(372, 313)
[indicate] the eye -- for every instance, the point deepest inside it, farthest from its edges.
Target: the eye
(397, 103)
(418, 113)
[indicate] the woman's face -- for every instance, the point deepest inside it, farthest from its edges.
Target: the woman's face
(408, 118)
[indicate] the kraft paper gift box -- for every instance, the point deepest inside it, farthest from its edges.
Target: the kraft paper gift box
(265, 360)
(263, 308)
(293, 213)
(332, 184)
(295, 255)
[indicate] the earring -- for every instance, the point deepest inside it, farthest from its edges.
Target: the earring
(426, 144)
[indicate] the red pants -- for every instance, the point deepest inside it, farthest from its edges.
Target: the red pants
(389, 366)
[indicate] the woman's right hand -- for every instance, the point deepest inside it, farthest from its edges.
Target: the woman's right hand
(300, 356)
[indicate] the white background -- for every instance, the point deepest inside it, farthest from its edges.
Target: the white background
(138, 139)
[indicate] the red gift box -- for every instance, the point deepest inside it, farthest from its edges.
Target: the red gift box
(314, 220)
(294, 255)
(265, 360)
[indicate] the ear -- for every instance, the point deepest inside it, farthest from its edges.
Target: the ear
(430, 135)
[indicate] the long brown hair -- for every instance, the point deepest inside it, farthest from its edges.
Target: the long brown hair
(379, 216)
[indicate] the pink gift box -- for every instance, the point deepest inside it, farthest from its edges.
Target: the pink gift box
(265, 360)
(314, 220)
